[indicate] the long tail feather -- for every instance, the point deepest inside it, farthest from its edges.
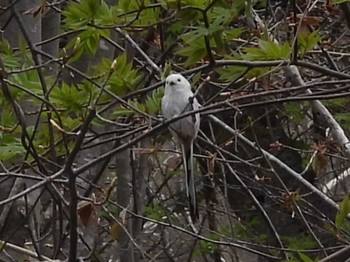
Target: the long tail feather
(190, 182)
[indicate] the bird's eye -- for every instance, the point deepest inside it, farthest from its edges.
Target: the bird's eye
(178, 80)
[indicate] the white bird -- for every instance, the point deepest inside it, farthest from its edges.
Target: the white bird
(177, 100)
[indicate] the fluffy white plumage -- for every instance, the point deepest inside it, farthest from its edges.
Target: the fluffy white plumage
(177, 100)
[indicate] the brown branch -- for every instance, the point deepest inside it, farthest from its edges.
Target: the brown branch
(73, 204)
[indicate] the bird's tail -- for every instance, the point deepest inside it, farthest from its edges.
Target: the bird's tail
(190, 185)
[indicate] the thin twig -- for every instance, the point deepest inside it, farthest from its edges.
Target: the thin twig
(278, 162)
(24, 251)
(136, 46)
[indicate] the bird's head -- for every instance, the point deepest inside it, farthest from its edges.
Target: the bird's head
(177, 82)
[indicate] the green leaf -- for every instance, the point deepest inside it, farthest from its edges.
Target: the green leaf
(156, 211)
(206, 247)
(232, 33)
(176, 28)
(304, 258)
(153, 102)
(307, 42)
(193, 35)
(344, 210)
(124, 4)
(84, 12)
(196, 78)
(89, 41)
(10, 61)
(267, 50)
(200, 32)
(5, 47)
(7, 117)
(28, 80)
(293, 112)
(11, 150)
(221, 16)
(23, 49)
(198, 3)
(73, 99)
(339, 1)
(343, 118)
(139, 106)
(92, 44)
(194, 52)
(122, 111)
(123, 79)
(230, 73)
(300, 241)
(133, 12)
(339, 102)
(218, 18)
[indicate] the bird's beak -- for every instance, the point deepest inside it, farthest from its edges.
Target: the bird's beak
(171, 83)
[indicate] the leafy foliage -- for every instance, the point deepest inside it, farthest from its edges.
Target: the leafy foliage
(7, 55)
(9, 150)
(123, 78)
(344, 210)
(194, 52)
(213, 27)
(300, 242)
(292, 110)
(307, 41)
(267, 50)
(94, 12)
(154, 212)
(339, 1)
(152, 103)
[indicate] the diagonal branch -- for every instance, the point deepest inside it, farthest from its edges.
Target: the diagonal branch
(294, 77)
(277, 162)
